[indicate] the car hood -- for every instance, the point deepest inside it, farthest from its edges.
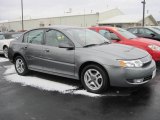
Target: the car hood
(121, 51)
(147, 41)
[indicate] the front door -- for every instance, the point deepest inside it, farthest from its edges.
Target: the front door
(58, 60)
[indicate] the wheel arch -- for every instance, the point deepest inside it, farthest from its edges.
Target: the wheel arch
(90, 63)
(5, 46)
(17, 54)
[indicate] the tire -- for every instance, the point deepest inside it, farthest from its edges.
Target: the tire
(5, 52)
(94, 79)
(21, 66)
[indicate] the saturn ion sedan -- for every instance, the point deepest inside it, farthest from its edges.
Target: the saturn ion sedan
(81, 54)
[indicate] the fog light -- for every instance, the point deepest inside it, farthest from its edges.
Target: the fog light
(138, 80)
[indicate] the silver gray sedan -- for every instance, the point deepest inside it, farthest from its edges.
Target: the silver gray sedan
(81, 54)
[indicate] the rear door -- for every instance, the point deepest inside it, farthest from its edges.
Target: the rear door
(58, 60)
(33, 48)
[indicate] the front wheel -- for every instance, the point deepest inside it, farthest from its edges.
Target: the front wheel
(94, 79)
(21, 66)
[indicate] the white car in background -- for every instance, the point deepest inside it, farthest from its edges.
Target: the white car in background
(5, 39)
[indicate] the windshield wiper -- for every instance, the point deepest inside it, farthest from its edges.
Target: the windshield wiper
(90, 45)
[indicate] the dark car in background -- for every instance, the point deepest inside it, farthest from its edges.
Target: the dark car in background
(82, 54)
(146, 32)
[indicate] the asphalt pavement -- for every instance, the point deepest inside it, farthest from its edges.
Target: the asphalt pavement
(40, 96)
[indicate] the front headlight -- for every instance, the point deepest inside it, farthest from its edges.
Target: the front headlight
(154, 47)
(130, 63)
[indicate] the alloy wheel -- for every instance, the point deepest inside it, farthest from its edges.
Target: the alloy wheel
(93, 79)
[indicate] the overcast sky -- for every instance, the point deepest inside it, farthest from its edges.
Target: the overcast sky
(11, 9)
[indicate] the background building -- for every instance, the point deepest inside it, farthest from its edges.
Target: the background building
(112, 17)
(126, 21)
(83, 20)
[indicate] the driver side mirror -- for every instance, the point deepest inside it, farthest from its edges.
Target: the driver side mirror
(66, 45)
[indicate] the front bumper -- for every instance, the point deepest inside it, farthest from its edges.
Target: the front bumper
(130, 77)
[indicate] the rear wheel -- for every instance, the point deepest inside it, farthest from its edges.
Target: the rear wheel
(21, 66)
(5, 52)
(94, 79)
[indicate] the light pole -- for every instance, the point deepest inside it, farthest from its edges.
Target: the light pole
(144, 5)
(22, 14)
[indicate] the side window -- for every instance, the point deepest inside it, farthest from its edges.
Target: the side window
(141, 31)
(54, 38)
(149, 32)
(34, 37)
(114, 36)
(134, 31)
(109, 35)
(105, 33)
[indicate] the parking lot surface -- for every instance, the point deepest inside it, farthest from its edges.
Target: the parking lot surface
(40, 96)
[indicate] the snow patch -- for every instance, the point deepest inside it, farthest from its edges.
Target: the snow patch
(9, 70)
(44, 84)
(39, 83)
(47, 85)
(3, 59)
(84, 92)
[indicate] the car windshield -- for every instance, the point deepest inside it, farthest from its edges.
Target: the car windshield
(126, 34)
(87, 37)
